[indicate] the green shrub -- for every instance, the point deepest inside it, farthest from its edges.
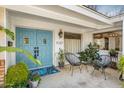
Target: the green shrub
(83, 56)
(121, 64)
(90, 53)
(17, 75)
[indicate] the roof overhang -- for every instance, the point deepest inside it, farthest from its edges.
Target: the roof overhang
(33, 10)
(88, 12)
(117, 18)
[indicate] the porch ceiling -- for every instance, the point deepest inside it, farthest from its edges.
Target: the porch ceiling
(71, 14)
(49, 13)
(13, 13)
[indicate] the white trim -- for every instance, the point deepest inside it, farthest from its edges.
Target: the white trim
(40, 67)
(87, 12)
(5, 25)
(33, 10)
(21, 26)
(102, 15)
(108, 29)
(117, 18)
(123, 38)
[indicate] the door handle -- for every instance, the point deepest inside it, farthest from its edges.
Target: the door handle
(36, 52)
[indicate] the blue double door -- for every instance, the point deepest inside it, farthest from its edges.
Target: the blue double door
(37, 42)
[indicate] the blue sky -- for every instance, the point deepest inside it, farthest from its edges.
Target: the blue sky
(110, 10)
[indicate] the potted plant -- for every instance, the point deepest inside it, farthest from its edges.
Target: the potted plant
(35, 79)
(83, 56)
(113, 52)
(61, 58)
(121, 68)
(91, 52)
(90, 55)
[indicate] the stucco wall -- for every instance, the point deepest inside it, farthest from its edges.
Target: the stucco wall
(34, 22)
(87, 38)
(2, 34)
(3, 37)
(111, 43)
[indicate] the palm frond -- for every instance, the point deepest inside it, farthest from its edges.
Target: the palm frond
(8, 32)
(28, 54)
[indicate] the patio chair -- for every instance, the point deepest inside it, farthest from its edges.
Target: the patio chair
(102, 64)
(73, 61)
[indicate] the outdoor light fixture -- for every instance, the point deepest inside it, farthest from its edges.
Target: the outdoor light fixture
(10, 44)
(60, 33)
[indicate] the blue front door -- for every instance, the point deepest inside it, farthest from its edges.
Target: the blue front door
(37, 42)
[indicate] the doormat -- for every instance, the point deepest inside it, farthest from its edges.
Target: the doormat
(46, 70)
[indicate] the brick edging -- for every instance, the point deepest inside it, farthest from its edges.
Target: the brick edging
(2, 72)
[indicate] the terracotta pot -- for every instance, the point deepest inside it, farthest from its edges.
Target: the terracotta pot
(61, 64)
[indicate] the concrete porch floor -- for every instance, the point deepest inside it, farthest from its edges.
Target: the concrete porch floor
(85, 79)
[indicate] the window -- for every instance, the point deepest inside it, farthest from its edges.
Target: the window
(109, 40)
(26, 40)
(44, 41)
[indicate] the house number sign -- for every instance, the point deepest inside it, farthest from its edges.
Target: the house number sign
(59, 42)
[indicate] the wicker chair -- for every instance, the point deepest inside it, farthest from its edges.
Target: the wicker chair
(73, 61)
(102, 64)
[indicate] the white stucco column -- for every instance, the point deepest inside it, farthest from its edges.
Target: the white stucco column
(123, 37)
(87, 38)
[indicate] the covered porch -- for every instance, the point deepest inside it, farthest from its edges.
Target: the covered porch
(71, 28)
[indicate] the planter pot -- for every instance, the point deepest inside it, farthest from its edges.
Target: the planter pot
(35, 83)
(121, 77)
(61, 64)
